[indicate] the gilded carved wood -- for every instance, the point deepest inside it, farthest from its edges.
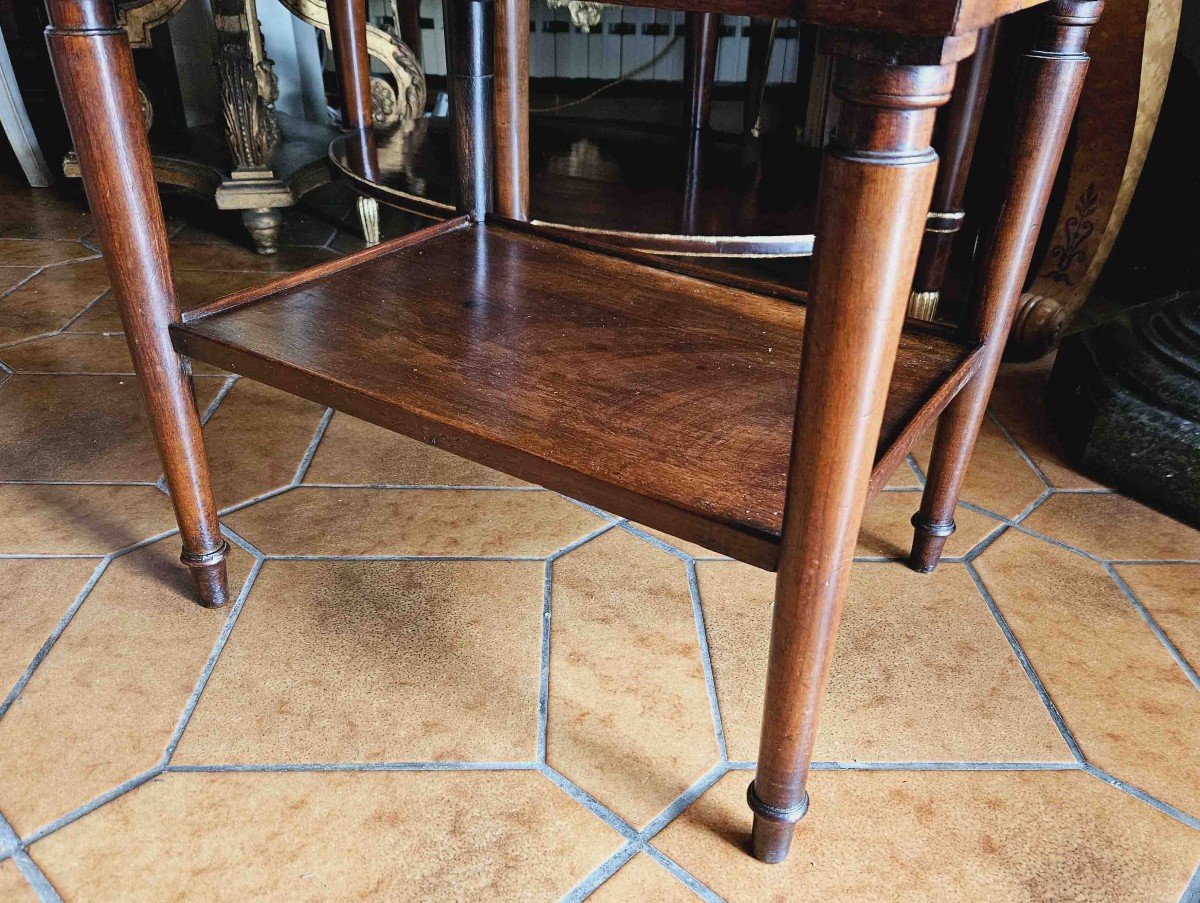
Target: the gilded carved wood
(139, 16)
(391, 105)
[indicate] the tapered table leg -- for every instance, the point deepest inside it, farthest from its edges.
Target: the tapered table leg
(876, 182)
(94, 68)
(1051, 79)
(955, 150)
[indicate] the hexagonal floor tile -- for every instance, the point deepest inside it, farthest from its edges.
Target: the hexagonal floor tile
(437, 522)
(1129, 704)
(1169, 593)
(996, 836)
(49, 300)
(629, 714)
(921, 672)
(355, 452)
(303, 836)
(998, 478)
(368, 661)
(40, 252)
(80, 428)
(1016, 402)
(256, 440)
(102, 705)
(1114, 527)
(80, 520)
(13, 886)
(641, 878)
(35, 593)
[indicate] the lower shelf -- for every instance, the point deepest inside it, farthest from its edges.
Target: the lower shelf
(651, 393)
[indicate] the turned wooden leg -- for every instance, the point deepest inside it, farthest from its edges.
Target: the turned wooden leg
(960, 128)
(876, 182)
(758, 64)
(1050, 81)
(94, 68)
(700, 65)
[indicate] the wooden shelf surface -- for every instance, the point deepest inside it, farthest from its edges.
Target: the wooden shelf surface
(649, 392)
(645, 186)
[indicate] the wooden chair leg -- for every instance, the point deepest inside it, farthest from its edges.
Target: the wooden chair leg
(955, 150)
(700, 65)
(89, 49)
(876, 182)
(1051, 79)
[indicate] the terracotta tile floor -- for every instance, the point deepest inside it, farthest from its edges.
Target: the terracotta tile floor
(438, 682)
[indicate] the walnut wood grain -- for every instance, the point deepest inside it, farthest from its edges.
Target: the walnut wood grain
(876, 182)
(94, 69)
(664, 397)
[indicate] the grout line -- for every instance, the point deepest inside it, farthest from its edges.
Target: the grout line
(1033, 506)
(543, 707)
(10, 843)
(690, 881)
(254, 500)
(912, 462)
(37, 271)
(592, 508)
(589, 802)
(1059, 543)
(586, 538)
(311, 451)
(222, 393)
(1017, 445)
(92, 805)
(699, 787)
(78, 483)
(41, 654)
(242, 543)
(592, 881)
(930, 766)
(1023, 659)
(1165, 808)
(381, 557)
(193, 700)
(1191, 893)
(706, 659)
(1171, 648)
(410, 486)
(322, 767)
(660, 544)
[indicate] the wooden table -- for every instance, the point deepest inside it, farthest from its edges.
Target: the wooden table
(630, 381)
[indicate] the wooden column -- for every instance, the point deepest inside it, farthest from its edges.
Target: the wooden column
(955, 150)
(94, 69)
(512, 108)
(1050, 82)
(700, 65)
(876, 181)
(469, 30)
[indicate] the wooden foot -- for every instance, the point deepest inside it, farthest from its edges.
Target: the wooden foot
(771, 834)
(94, 69)
(263, 225)
(928, 541)
(1051, 78)
(368, 218)
(209, 572)
(876, 181)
